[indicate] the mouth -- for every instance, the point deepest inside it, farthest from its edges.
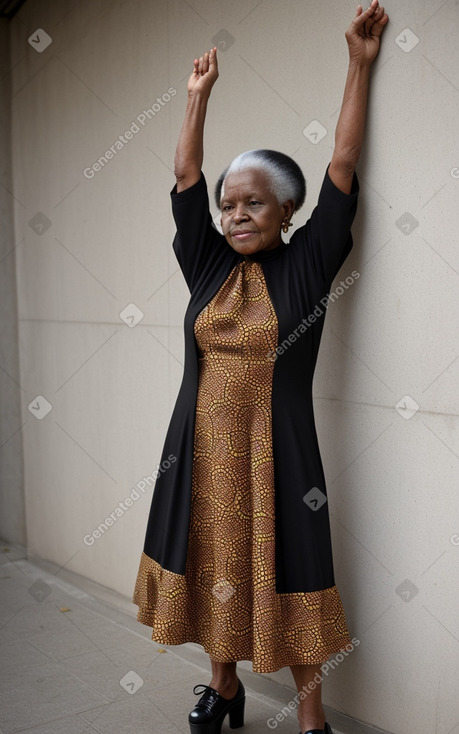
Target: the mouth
(242, 234)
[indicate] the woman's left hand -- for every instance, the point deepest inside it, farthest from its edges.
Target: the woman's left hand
(364, 33)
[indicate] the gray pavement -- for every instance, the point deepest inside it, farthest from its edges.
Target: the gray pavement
(74, 660)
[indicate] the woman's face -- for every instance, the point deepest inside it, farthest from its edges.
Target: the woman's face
(251, 215)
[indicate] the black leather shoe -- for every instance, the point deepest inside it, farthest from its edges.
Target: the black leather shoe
(208, 714)
(326, 730)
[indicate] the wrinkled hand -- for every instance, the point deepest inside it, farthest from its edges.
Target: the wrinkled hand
(364, 33)
(205, 73)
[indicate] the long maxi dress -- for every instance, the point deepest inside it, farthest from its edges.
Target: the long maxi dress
(237, 554)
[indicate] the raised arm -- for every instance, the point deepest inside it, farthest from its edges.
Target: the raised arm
(363, 38)
(189, 153)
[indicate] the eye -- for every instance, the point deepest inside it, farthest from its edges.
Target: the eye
(226, 208)
(254, 202)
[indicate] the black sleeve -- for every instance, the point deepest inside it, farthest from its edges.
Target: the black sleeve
(328, 231)
(197, 242)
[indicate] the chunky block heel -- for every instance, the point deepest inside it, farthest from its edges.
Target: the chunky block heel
(208, 715)
(236, 715)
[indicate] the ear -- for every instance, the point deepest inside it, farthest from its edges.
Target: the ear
(288, 208)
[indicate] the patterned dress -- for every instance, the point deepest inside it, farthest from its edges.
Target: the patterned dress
(227, 597)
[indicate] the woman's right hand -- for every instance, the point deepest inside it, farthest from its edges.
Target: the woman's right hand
(205, 74)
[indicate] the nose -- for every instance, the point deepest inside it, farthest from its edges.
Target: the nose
(240, 214)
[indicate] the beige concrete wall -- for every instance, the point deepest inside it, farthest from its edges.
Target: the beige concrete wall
(87, 247)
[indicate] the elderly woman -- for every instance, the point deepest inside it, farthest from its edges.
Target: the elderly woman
(237, 555)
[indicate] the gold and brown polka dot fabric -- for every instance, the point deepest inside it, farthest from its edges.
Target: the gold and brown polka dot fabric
(227, 600)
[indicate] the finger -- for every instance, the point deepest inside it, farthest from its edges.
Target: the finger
(374, 15)
(371, 8)
(372, 19)
(382, 15)
(213, 63)
(377, 22)
(379, 25)
(362, 18)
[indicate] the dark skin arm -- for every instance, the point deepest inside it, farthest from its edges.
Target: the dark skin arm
(189, 153)
(363, 39)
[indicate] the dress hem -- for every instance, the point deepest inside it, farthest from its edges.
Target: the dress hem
(304, 659)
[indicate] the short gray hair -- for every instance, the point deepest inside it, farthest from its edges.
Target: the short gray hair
(284, 174)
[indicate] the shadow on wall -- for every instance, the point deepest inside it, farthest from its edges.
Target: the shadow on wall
(12, 500)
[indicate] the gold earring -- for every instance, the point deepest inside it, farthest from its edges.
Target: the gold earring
(286, 225)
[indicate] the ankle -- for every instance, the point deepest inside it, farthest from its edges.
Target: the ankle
(313, 720)
(311, 724)
(226, 685)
